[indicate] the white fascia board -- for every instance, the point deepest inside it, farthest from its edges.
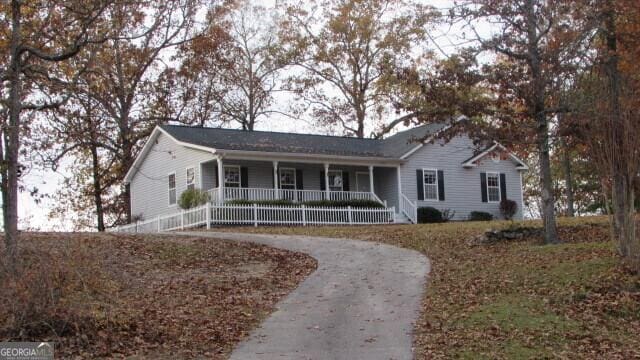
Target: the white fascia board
(471, 162)
(423, 143)
(410, 152)
(149, 144)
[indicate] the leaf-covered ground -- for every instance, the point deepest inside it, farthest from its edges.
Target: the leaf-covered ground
(515, 300)
(144, 296)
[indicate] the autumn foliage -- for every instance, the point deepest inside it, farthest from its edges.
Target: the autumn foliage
(113, 296)
(516, 299)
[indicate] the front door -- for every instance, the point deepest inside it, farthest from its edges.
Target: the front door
(362, 182)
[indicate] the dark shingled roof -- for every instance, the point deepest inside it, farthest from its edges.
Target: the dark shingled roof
(227, 139)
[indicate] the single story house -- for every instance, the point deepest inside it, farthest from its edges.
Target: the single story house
(400, 171)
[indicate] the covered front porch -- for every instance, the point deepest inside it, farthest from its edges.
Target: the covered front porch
(227, 179)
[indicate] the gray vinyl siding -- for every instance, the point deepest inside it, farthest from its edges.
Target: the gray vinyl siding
(208, 175)
(386, 185)
(149, 186)
(462, 186)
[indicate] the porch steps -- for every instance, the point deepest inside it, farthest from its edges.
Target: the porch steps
(401, 218)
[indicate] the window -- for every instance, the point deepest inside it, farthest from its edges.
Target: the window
(172, 189)
(232, 176)
(191, 178)
(430, 184)
(493, 187)
(288, 179)
(335, 180)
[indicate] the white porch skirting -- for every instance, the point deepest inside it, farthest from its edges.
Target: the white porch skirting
(226, 214)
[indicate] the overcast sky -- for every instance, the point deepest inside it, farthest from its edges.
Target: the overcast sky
(34, 216)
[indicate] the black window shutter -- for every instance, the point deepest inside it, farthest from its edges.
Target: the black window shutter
(503, 186)
(440, 185)
(483, 186)
(299, 183)
(345, 181)
(244, 177)
(215, 177)
(420, 184)
(323, 184)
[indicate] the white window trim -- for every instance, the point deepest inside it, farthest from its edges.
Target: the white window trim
(175, 188)
(362, 173)
(295, 178)
(224, 178)
(186, 177)
(341, 173)
(497, 174)
(424, 186)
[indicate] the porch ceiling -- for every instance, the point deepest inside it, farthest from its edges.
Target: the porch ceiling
(307, 158)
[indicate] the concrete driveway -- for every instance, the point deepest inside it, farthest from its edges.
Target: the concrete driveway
(360, 303)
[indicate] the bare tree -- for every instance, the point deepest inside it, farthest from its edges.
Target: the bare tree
(346, 53)
(37, 42)
(116, 90)
(608, 119)
(533, 44)
(79, 130)
(231, 73)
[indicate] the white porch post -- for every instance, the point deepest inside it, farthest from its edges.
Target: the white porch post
(326, 181)
(371, 189)
(399, 185)
(275, 180)
(220, 180)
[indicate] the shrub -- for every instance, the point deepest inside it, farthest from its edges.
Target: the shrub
(315, 203)
(508, 208)
(280, 202)
(427, 215)
(345, 203)
(191, 198)
(480, 216)
(447, 215)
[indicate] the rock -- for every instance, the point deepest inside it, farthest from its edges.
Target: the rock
(492, 236)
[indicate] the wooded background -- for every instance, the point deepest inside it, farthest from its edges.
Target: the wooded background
(84, 84)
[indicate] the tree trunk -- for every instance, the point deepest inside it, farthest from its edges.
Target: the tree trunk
(624, 228)
(605, 196)
(537, 108)
(566, 165)
(624, 224)
(360, 117)
(127, 160)
(13, 142)
(97, 187)
(548, 201)
(4, 182)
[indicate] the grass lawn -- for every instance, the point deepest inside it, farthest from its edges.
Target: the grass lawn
(515, 300)
(143, 296)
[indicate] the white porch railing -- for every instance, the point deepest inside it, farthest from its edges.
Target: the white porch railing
(298, 196)
(211, 214)
(214, 196)
(409, 208)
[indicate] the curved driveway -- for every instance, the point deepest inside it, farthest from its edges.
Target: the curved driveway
(360, 303)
